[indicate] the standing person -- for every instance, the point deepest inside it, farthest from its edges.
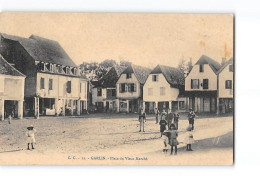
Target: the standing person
(172, 135)
(169, 118)
(162, 124)
(30, 137)
(142, 119)
(176, 119)
(163, 114)
(189, 138)
(157, 112)
(191, 117)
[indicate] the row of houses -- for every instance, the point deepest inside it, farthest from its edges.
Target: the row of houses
(37, 77)
(207, 88)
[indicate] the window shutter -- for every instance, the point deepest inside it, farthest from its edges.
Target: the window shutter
(120, 88)
(129, 87)
(134, 87)
(198, 84)
(69, 86)
(226, 84)
(230, 84)
(191, 83)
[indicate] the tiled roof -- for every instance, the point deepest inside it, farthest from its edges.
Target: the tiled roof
(109, 80)
(230, 61)
(42, 49)
(7, 69)
(212, 63)
(173, 75)
(140, 72)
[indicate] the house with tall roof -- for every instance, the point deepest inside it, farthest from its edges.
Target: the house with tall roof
(225, 87)
(164, 88)
(129, 88)
(104, 91)
(11, 91)
(201, 85)
(52, 84)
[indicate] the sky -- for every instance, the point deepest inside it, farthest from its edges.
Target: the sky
(143, 38)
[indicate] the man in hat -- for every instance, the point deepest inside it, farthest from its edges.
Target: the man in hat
(191, 117)
(142, 119)
(30, 136)
(176, 119)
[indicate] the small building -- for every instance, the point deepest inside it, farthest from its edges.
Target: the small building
(52, 83)
(163, 89)
(11, 91)
(225, 87)
(104, 91)
(129, 88)
(201, 85)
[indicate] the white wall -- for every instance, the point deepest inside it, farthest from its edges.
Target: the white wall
(127, 94)
(96, 98)
(207, 74)
(12, 87)
(59, 86)
(171, 94)
(83, 93)
(223, 76)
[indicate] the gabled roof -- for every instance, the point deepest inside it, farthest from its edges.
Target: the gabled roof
(207, 60)
(110, 78)
(140, 72)
(172, 75)
(230, 61)
(7, 69)
(42, 49)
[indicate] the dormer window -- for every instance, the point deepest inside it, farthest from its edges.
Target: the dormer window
(128, 75)
(202, 68)
(51, 68)
(67, 70)
(60, 70)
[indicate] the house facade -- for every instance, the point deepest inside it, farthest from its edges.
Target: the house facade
(129, 88)
(201, 85)
(104, 91)
(52, 84)
(163, 89)
(226, 87)
(11, 91)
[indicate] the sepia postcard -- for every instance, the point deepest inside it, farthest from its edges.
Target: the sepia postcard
(116, 89)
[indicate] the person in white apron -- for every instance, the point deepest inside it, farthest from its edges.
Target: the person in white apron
(30, 137)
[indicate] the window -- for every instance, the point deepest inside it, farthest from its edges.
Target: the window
(69, 87)
(205, 83)
(150, 91)
(195, 84)
(128, 75)
(122, 88)
(231, 68)
(201, 68)
(155, 78)
(131, 87)
(42, 83)
(99, 92)
(51, 68)
(113, 92)
(162, 90)
(50, 84)
(181, 104)
(228, 84)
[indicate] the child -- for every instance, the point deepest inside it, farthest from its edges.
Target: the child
(191, 117)
(30, 137)
(189, 138)
(9, 119)
(162, 124)
(142, 119)
(172, 135)
(165, 144)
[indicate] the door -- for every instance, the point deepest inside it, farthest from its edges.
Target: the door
(206, 104)
(107, 106)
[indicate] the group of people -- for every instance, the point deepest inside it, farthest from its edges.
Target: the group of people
(171, 121)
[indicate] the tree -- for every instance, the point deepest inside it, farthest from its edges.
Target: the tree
(108, 63)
